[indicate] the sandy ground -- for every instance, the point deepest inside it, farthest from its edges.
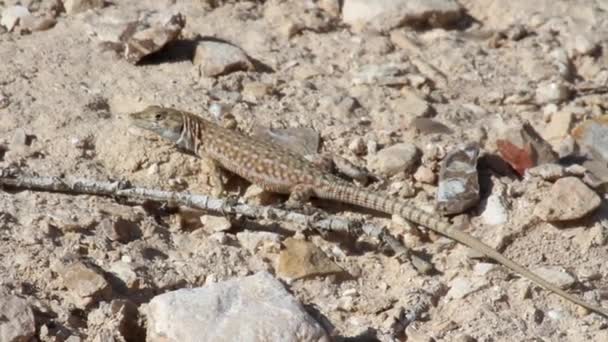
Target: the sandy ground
(70, 97)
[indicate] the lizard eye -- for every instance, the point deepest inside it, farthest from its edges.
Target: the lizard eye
(158, 116)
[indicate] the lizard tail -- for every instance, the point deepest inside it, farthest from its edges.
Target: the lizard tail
(384, 203)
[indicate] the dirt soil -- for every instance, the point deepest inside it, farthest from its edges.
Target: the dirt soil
(70, 96)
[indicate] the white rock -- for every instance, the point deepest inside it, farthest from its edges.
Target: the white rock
(17, 322)
(495, 211)
(12, 15)
(214, 224)
(254, 308)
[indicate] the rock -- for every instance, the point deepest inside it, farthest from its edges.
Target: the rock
(218, 58)
(255, 241)
(460, 287)
(357, 146)
(85, 284)
(568, 199)
(17, 319)
(77, 6)
(381, 74)
(301, 140)
(495, 210)
(559, 127)
(33, 24)
(556, 275)
(12, 15)
(425, 175)
(4, 100)
(394, 159)
(301, 259)
(135, 40)
(430, 126)
(114, 321)
(384, 15)
(410, 105)
(592, 136)
(125, 272)
(522, 147)
(214, 224)
(255, 91)
(119, 229)
(254, 308)
(553, 92)
(549, 172)
(458, 188)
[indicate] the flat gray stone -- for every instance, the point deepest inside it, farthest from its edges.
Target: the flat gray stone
(254, 308)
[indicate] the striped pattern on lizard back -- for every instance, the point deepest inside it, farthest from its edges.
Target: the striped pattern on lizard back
(273, 167)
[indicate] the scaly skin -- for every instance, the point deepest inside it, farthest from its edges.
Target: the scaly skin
(279, 170)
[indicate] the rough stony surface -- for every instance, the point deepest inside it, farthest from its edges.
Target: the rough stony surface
(568, 199)
(254, 308)
(429, 74)
(17, 323)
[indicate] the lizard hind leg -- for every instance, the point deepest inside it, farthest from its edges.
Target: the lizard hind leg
(299, 196)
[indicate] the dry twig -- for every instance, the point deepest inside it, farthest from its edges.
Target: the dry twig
(15, 179)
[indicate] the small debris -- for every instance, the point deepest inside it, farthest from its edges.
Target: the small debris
(84, 283)
(592, 136)
(77, 6)
(357, 146)
(411, 105)
(381, 74)
(254, 308)
(495, 211)
(214, 224)
(119, 229)
(549, 172)
(559, 127)
(394, 159)
(11, 16)
(430, 126)
(4, 100)
(34, 24)
(301, 259)
(425, 175)
(125, 272)
(461, 287)
(556, 275)
(568, 199)
(214, 58)
(554, 92)
(255, 91)
(17, 323)
(458, 188)
(522, 147)
(256, 241)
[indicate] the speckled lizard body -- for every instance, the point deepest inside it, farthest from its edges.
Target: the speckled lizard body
(279, 170)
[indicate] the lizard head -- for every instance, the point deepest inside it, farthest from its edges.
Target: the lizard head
(166, 122)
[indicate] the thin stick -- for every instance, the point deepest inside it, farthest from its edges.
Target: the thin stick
(15, 179)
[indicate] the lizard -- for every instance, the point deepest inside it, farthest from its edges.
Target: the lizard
(280, 170)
